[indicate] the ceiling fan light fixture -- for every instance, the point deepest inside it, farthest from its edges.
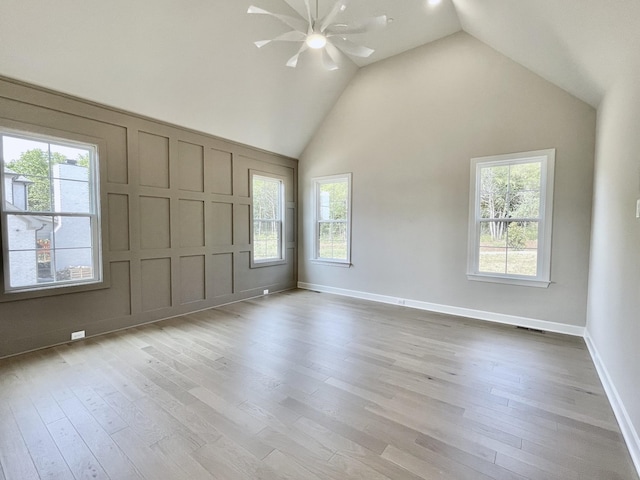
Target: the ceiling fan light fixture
(316, 40)
(434, 2)
(323, 33)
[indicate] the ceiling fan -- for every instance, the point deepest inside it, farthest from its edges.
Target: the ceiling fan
(323, 33)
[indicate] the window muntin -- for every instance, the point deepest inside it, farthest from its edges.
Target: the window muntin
(332, 210)
(268, 218)
(50, 212)
(510, 218)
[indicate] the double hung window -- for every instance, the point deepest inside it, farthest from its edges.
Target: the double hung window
(50, 212)
(332, 215)
(510, 218)
(267, 193)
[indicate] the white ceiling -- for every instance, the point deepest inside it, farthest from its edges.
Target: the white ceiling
(580, 45)
(193, 63)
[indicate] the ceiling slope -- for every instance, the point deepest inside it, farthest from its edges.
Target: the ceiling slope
(580, 45)
(194, 63)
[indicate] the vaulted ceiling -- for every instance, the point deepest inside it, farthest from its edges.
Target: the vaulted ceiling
(193, 63)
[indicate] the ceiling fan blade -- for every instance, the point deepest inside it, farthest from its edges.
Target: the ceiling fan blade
(327, 60)
(298, 24)
(292, 36)
(350, 48)
(309, 14)
(357, 27)
(339, 6)
(293, 61)
(333, 52)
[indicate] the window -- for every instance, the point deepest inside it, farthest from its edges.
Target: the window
(267, 194)
(332, 210)
(50, 214)
(510, 218)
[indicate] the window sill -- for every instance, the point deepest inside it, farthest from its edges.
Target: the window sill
(331, 263)
(51, 291)
(267, 263)
(522, 282)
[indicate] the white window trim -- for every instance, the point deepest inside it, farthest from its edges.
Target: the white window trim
(543, 279)
(283, 246)
(317, 181)
(98, 199)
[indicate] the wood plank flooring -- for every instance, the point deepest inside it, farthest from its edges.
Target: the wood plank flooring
(302, 385)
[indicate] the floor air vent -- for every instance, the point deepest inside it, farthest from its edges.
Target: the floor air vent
(531, 329)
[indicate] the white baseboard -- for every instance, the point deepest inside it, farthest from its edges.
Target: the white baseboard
(626, 426)
(450, 310)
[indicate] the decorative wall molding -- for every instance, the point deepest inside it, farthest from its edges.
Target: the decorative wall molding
(176, 209)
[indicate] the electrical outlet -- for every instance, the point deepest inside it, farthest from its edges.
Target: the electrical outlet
(402, 301)
(265, 291)
(77, 335)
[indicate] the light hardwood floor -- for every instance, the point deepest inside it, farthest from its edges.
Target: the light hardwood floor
(302, 385)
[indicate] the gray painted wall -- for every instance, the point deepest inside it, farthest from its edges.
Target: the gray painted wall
(407, 128)
(613, 321)
(176, 214)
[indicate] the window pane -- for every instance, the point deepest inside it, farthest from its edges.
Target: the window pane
(24, 230)
(73, 264)
(23, 268)
(522, 256)
(339, 233)
(71, 196)
(493, 247)
(266, 239)
(525, 176)
(266, 198)
(72, 232)
(71, 156)
(333, 200)
(15, 148)
(29, 239)
(524, 190)
(36, 191)
(332, 242)
(30, 168)
(27, 174)
(494, 186)
(522, 262)
(47, 245)
(325, 242)
(492, 260)
(522, 235)
(43, 247)
(493, 234)
(525, 204)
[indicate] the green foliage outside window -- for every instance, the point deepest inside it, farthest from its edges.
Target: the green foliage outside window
(35, 165)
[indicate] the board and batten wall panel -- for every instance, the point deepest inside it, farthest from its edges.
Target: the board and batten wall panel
(177, 226)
